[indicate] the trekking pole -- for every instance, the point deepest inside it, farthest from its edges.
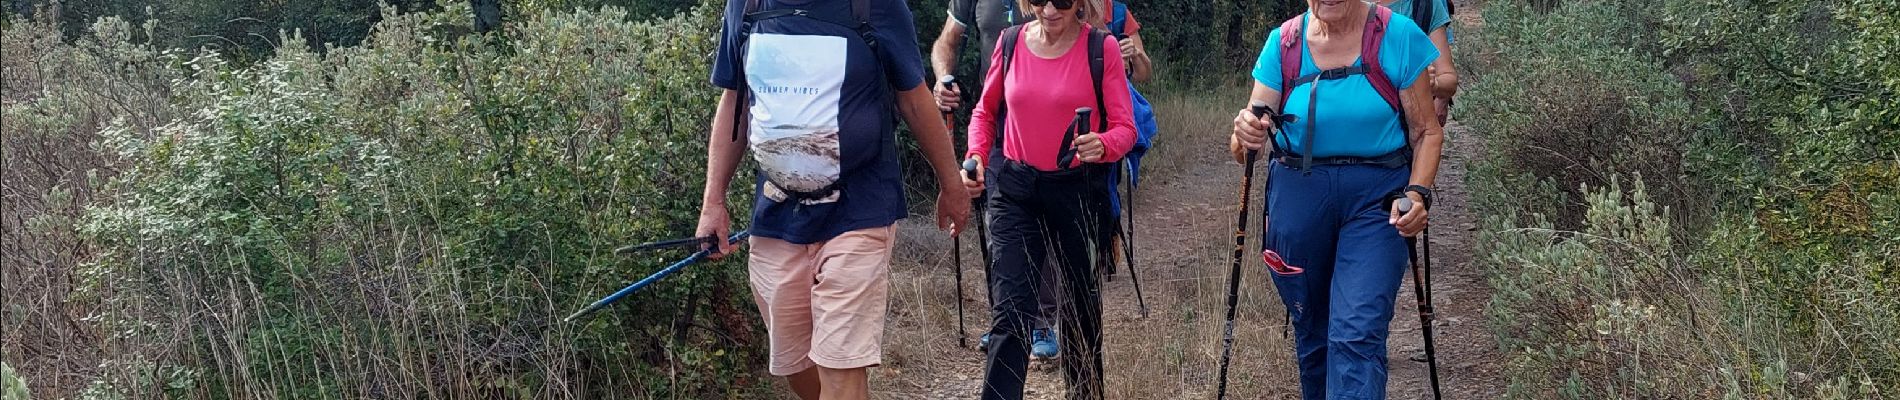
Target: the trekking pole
(650, 279)
(1128, 238)
(629, 249)
(1421, 287)
(1078, 127)
(1259, 109)
(956, 239)
(982, 230)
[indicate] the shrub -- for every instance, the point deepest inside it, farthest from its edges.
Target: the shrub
(1560, 115)
(411, 217)
(12, 387)
(1770, 130)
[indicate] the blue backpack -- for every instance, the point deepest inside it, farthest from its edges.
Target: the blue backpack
(1145, 126)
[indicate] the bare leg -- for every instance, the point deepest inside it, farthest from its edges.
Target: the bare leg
(845, 384)
(806, 383)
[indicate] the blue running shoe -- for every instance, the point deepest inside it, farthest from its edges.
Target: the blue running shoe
(1044, 345)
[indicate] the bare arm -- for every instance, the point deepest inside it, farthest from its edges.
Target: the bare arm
(943, 60)
(1445, 84)
(1428, 140)
(933, 138)
(943, 53)
(1140, 66)
(722, 160)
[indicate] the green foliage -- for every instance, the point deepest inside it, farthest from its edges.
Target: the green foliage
(1576, 304)
(1770, 129)
(412, 217)
(1570, 126)
(1190, 37)
(12, 387)
(246, 30)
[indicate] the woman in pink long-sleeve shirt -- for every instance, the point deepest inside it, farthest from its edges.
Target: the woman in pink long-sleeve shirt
(1039, 75)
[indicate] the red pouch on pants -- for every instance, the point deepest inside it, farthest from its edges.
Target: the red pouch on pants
(1279, 265)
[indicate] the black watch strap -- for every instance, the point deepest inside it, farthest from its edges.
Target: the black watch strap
(1423, 192)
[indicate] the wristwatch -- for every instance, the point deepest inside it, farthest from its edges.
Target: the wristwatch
(1423, 193)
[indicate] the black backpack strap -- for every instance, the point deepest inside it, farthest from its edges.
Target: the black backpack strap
(1008, 48)
(1422, 15)
(744, 92)
(861, 10)
(1096, 37)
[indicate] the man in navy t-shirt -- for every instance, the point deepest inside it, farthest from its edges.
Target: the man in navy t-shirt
(813, 86)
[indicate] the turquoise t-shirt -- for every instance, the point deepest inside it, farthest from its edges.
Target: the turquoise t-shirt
(1441, 12)
(1352, 119)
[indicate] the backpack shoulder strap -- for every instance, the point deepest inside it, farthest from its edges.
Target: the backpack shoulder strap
(1422, 11)
(861, 11)
(1008, 47)
(1370, 44)
(1096, 37)
(1292, 39)
(1118, 19)
(739, 106)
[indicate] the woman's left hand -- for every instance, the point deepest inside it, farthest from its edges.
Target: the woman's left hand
(1410, 223)
(1089, 148)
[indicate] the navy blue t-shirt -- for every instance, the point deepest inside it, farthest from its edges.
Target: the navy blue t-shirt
(822, 113)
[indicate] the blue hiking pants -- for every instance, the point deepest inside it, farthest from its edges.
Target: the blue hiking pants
(1332, 221)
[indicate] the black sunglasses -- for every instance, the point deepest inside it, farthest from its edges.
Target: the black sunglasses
(1060, 4)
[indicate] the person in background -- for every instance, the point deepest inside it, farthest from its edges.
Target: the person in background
(1121, 22)
(1444, 76)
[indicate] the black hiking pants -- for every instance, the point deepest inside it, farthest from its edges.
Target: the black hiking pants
(1035, 213)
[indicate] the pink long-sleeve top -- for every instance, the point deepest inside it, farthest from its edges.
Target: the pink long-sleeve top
(1043, 95)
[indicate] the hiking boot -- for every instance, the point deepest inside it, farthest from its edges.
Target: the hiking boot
(1044, 345)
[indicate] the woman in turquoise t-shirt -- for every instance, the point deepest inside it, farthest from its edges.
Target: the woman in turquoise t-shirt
(1334, 173)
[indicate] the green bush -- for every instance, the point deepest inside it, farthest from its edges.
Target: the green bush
(12, 387)
(411, 217)
(1762, 140)
(1571, 113)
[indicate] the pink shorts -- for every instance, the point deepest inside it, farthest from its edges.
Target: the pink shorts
(823, 303)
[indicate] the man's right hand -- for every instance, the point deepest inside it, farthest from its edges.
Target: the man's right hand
(714, 222)
(949, 98)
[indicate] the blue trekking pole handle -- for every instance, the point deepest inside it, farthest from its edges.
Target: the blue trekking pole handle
(650, 279)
